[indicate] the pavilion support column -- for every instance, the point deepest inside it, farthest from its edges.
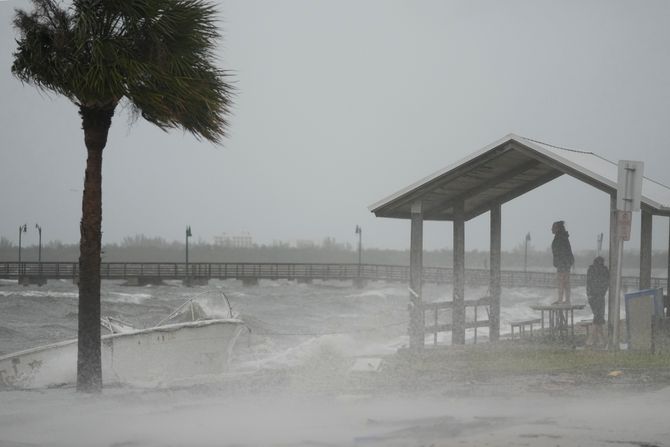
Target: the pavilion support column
(416, 313)
(667, 286)
(645, 250)
(612, 313)
(494, 281)
(458, 314)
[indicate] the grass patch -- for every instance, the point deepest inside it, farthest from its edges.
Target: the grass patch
(518, 359)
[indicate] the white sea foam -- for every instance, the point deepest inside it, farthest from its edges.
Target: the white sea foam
(39, 293)
(380, 293)
(134, 298)
(347, 346)
(296, 355)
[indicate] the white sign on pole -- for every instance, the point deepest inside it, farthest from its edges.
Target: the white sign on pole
(628, 195)
(623, 223)
(629, 187)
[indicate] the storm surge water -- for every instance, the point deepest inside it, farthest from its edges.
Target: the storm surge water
(285, 320)
(292, 379)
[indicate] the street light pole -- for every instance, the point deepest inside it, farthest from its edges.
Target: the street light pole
(22, 229)
(359, 231)
(525, 253)
(39, 245)
(188, 234)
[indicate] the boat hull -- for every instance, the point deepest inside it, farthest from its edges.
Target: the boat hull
(150, 357)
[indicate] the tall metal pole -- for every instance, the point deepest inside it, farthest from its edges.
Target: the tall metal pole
(628, 199)
(359, 232)
(188, 234)
(613, 260)
(22, 229)
(360, 246)
(358, 281)
(525, 253)
(39, 246)
(617, 299)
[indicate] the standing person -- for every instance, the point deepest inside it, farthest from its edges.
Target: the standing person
(597, 283)
(563, 260)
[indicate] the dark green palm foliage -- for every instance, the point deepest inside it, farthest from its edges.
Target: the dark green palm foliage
(158, 54)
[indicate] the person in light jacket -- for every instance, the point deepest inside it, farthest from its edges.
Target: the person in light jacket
(563, 260)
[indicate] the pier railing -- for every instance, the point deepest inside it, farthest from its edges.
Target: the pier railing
(291, 271)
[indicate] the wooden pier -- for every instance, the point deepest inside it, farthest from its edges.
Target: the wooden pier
(141, 273)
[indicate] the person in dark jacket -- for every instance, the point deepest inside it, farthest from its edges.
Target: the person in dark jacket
(563, 260)
(597, 283)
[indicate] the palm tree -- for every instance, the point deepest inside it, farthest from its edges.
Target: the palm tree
(157, 56)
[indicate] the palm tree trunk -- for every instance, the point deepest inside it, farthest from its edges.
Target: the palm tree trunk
(96, 123)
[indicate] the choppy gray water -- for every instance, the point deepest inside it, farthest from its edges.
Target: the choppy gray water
(286, 385)
(286, 321)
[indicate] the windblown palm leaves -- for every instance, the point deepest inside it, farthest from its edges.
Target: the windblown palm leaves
(158, 55)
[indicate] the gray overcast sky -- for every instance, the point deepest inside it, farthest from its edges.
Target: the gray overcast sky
(341, 103)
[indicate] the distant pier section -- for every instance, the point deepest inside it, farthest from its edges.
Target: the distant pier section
(143, 273)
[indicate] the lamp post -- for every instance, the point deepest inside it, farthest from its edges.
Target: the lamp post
(188, 235)
(359, 232)
(525, 252)
(39, 246)
(22, 229)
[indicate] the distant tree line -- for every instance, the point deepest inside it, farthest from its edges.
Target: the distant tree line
(141, 248)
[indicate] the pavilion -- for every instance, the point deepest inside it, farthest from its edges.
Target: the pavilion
(481, 183)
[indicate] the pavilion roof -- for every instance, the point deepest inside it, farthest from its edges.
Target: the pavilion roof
(504, 170)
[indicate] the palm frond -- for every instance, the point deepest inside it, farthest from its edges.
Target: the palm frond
(159, 54)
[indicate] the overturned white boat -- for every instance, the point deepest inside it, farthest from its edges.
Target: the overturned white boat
(186, 346)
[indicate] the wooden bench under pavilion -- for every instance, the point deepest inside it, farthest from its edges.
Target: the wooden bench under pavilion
(525, 327)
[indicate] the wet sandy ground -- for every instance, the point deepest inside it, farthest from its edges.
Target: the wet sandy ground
(187, 418)
(328, 405)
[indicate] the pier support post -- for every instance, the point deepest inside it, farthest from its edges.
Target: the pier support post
(458, 314)
(613, 313)
(645, 249)
(360, 283)
(494, 278)
(27, 280)
(248, 282)
(141, 281)
(416, 314)
(198, 281)
(667, 285)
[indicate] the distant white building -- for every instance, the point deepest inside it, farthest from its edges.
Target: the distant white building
(242, 240)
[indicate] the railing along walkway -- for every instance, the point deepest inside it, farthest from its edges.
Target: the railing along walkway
(291, 271)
